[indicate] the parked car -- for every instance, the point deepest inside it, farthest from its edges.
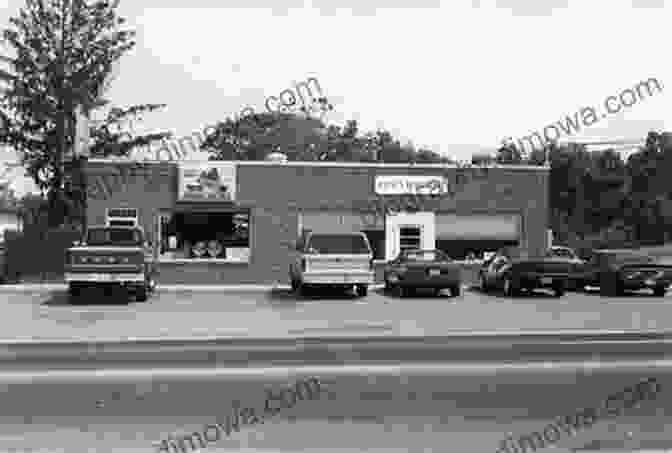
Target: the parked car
(578, 265)
(340, 260)
(515, 275)
(111, 256)
(617, 271)
(415, 268)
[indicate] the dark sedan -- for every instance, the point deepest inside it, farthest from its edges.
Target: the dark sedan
(617, 271)
(414, 269)
(515, 275)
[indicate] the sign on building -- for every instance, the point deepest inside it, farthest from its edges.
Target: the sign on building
(406, 184)
(207, 181)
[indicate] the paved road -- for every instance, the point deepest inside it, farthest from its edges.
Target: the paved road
(49, 316)
(365, 409)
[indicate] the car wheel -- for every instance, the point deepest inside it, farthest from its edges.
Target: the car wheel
(610, 286)
(295, 285)
(510, 289)
(559, 291)
(388, 285)
(659, 291)
(484, 285)
(455, 290)
(362, 290)
(402, 291)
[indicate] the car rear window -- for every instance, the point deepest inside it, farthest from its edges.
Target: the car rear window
(560, 253)
(347, 244)
(113, 236)
(426, 255)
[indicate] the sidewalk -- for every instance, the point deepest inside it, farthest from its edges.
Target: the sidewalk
(48, 287)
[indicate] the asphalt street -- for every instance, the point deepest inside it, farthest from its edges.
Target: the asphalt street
(409, 409)
(403, 407)
(50, 316)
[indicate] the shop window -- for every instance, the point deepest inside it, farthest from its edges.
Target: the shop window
(461, 249)
(205, 236)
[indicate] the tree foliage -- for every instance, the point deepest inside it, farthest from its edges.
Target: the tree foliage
(62, 54)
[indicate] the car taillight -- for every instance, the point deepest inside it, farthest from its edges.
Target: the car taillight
(111, 259)
(303, 264)
(125, 260)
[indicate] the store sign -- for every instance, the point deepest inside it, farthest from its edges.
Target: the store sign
(405, 184)
(207, 181)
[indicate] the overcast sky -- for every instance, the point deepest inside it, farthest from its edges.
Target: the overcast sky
(454, 75)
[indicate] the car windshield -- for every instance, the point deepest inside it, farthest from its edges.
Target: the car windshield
(346, 244)
(426, 255)
(113, 236)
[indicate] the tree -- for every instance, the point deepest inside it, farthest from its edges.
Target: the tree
(115, 135)
(64, 53)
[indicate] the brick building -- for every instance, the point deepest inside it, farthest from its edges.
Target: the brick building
(233, 222)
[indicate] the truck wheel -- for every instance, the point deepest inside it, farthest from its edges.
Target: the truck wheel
(141, 294)
(362, 290)
(74, 293)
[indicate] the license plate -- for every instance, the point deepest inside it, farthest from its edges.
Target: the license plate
(434, 272)
(546, 281)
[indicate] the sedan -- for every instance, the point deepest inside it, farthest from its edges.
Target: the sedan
(515, 275)
(415, 268)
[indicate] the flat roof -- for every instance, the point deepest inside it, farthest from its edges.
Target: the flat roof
(264, 163)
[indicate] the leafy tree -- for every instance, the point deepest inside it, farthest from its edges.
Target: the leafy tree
(115, 135)
(63, 53)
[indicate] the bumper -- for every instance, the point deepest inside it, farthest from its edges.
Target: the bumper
(331, 278)
(645, 284)
(428, 282)
(71, 277)
(540, 281)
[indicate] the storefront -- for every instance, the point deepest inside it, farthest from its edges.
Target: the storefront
(234, 222)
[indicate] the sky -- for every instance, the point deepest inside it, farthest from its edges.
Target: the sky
(457, 76)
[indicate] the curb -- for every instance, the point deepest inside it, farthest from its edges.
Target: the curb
(48, 287)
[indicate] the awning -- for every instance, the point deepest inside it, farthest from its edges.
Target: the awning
(210, 206)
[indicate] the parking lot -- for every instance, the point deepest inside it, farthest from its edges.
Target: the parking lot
(280, 313)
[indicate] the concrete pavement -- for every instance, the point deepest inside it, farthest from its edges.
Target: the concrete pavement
(183, 315)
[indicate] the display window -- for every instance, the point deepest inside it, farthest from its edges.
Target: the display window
(205, 236)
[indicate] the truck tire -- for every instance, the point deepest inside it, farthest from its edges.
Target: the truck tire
(141, 293)
(74, 293)
(362, 290)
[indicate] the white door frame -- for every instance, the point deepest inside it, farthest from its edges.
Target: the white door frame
(393, 222)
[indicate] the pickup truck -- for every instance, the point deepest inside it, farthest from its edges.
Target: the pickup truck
(111, 256)
(343, 260)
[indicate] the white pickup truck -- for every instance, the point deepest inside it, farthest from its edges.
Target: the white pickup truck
(343, 260)
(111, 256)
